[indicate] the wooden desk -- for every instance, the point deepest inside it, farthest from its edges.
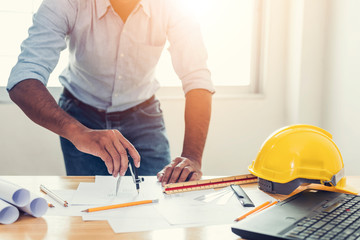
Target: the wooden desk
(64, 227)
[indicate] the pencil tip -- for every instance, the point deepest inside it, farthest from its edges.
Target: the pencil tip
(86, 210)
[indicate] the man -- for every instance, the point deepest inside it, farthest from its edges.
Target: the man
(108, 111)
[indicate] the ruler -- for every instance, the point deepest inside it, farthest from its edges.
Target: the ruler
(209, 183)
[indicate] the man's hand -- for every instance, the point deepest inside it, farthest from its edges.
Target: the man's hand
(110, 146)
(181, 169)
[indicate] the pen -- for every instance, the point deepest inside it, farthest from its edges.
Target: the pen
(257, 209)
(120, 205)
(54, 196)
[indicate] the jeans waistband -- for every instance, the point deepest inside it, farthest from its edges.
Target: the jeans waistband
(68, 94)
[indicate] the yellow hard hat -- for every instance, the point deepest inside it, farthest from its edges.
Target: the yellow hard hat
(299, 154)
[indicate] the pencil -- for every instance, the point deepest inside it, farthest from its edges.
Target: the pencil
(54, 196)
(254, 210)
(273, 203)
(120, 205)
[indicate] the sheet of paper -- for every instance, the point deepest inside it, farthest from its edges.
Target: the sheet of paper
(120, 212)
(8, 213)
(190, 211)
(14, 194)
(136, 212)
(182, 210)
(138, 220)
(102, 191)
(150, 188)
(146, 217)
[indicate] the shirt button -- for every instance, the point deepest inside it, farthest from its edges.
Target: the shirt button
(121, 55)
(116, 94)
(119, 77)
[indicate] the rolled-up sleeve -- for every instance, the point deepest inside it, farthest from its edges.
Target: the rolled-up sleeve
(40, 51)
(187, 50)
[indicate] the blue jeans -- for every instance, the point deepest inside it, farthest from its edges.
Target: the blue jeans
(143, 126)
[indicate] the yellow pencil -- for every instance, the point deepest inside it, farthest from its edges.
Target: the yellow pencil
(121, 205)
(254, 210)
(273, 203)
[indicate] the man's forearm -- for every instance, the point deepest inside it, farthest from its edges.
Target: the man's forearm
(197, 119)
(38, 104)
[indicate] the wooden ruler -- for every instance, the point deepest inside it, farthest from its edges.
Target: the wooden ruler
(209, 183)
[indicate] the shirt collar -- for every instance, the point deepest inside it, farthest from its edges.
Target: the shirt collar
(146, 6)
(102, 6)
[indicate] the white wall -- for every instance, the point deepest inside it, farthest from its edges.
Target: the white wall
(309, 71)
(323, 71)
(305, 61)
(341, 115)
(26, 148)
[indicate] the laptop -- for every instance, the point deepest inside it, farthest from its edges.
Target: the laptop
(311, 214)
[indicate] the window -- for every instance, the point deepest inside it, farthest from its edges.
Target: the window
(227, 27)
(227, 32)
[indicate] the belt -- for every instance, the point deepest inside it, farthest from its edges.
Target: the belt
(68, 94)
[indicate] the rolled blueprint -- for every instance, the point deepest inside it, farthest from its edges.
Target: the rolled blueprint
(37, 206)
(8, 213)
(14, 194)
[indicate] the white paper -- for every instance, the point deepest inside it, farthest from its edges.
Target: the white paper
(225, 198)
(138, 220)
(37, 206)
(14, 194)
(8, 213)
(182, 210)
(102, 191)
(187, 211)
(136, 212)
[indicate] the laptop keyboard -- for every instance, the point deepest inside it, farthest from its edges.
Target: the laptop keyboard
(338, 221)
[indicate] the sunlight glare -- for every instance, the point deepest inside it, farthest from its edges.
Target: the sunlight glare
(197, 8)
